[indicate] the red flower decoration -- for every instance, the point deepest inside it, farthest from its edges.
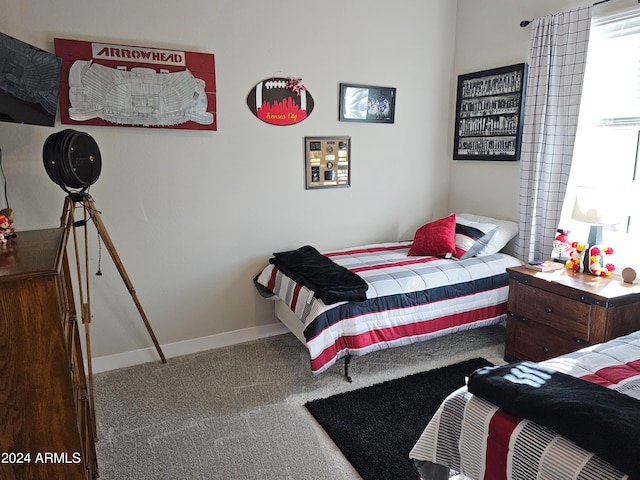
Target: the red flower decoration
(595, 251)
(295, 86)
(610, 266)
(608, 251)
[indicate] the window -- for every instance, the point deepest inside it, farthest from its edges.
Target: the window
(607, 150)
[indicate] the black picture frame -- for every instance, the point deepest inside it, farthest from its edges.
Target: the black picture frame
(367, 103)
(490, 114)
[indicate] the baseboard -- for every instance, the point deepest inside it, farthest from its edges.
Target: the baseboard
(136, 357)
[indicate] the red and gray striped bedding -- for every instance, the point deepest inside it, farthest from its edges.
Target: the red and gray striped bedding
(409, 299)
(471, 436)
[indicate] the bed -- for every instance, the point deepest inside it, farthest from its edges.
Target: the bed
(473, 436)
(410, 296)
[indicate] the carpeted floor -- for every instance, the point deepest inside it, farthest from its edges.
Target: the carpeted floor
(238, 412)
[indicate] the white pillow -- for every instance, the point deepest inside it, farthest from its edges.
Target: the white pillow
(506, 231)
(471, 237)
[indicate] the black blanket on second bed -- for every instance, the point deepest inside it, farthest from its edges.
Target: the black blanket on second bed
(594, 417)
(329, 281)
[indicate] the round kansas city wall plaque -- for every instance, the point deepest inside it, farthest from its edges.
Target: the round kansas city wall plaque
(280, 101)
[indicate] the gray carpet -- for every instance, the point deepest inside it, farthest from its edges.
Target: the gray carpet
(238, 412)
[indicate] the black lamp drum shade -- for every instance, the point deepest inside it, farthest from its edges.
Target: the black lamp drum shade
(72, 160)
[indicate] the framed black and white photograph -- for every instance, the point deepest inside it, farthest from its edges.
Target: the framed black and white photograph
(489, 114)
(366, 103)
(327, 162)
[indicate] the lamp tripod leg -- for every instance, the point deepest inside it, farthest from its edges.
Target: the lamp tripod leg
(68, 222)
(86, 318)
(104, 235)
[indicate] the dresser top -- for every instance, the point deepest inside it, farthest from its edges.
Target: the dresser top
(30, 253)
(605, 288)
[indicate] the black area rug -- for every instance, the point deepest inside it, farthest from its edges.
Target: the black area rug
(376, 427)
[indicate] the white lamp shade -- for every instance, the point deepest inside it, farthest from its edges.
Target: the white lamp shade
(594, 206)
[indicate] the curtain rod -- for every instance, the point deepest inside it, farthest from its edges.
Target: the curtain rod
(525, 23)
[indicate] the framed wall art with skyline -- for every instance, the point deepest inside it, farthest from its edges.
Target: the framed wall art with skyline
(489, 114)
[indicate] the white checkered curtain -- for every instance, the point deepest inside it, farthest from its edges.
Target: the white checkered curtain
(552, 102)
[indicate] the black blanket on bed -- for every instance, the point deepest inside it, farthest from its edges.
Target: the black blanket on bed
(329, 281)
(594, 417)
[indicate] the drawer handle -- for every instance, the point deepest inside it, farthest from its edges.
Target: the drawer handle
(546, 349)
(548, 309)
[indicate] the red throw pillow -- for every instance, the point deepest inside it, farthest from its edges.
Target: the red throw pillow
(437, 238)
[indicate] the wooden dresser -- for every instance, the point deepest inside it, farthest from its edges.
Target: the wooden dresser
(558, 312)
(47, 430)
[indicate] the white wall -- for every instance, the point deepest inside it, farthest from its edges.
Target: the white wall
(195, 215)
(488, 35)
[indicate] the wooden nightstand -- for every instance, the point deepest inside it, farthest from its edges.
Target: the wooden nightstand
(558, 312)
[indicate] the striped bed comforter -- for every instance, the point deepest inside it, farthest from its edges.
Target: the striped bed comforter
(409, 299)
(474, 437)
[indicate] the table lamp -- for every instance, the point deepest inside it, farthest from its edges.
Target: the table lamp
(593, 206)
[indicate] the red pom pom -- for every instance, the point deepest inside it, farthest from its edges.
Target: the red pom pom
(595, 251)
(609, 251)
(576, 267)
(610, 266)
(574, 244)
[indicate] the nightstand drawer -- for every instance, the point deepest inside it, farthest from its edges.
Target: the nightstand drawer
(561, 313)
(532, 341)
